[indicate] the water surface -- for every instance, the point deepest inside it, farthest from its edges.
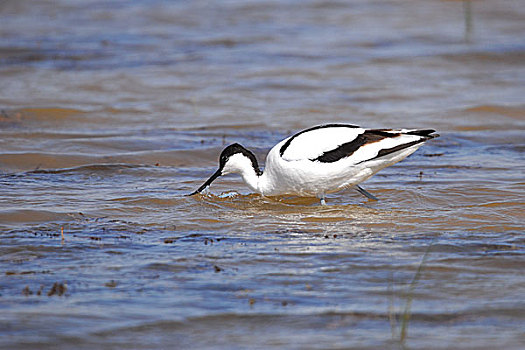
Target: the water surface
(111, 113)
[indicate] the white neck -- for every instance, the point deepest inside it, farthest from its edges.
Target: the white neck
(240, 164)
(251, 179)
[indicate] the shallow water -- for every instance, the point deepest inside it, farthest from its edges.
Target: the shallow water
(111, 113)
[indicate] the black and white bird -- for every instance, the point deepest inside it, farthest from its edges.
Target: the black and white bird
(321, 160)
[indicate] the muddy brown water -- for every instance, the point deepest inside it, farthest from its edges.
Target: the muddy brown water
(112, 111)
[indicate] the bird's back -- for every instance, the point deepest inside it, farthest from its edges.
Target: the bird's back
(327, 158)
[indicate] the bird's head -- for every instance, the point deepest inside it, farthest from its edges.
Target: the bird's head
(233, 159)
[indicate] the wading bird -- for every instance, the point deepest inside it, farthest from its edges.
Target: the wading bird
(321, 160)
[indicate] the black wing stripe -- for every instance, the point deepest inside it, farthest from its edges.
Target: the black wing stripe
(347, 149)
(287, 143)
(384, 132)
(387, 151)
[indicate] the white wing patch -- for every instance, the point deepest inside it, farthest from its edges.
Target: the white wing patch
(314, 143)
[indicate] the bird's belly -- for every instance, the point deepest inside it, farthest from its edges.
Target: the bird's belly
(313, 179)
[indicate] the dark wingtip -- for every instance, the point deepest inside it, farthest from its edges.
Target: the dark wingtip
(430, 135)
(424, 132)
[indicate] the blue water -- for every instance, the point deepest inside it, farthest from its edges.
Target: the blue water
(111, 113)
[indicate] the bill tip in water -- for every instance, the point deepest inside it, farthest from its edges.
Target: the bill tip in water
(204, 187)
(200, 190)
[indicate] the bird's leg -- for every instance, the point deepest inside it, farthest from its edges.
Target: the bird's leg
(365, 193)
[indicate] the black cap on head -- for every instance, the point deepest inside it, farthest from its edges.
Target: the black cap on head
(236, 148)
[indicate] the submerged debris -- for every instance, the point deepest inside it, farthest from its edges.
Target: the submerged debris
(26, 291)
(39, 292)
(57, 289)
(111, 284)
(433, 154)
